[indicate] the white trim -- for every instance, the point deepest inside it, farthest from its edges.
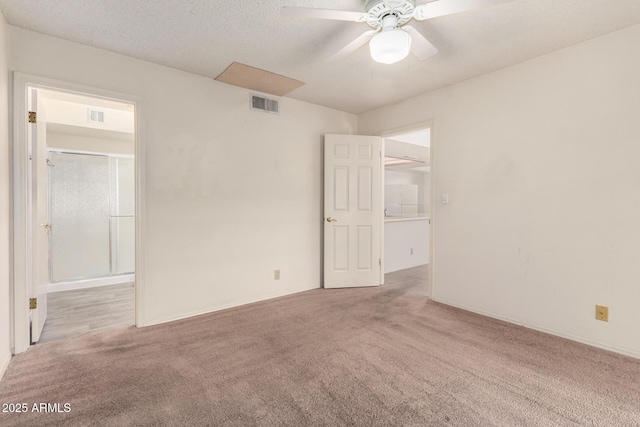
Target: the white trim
(20, 332)
(432, 208)
(21, 81)
(428, 124)
(233, 305)
(383, 171)
(90, 283)
(140, 212)
(406, 129)
(4, 365)
(620, 350)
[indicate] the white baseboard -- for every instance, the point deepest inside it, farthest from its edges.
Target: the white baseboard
(5, 364)
(615, 349)
(90, 283)
(223, 307)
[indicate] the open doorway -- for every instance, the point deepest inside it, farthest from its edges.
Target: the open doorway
(407, 209)
(80, 214)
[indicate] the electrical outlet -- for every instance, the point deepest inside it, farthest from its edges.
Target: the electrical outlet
(276, 274)
(602, 313)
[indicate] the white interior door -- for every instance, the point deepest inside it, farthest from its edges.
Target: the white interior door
(39, 215)
(352, 211)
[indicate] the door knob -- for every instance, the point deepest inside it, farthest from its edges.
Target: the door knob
(329, 219)
(47, 226)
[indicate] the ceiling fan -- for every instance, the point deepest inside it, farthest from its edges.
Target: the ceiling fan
(391, 39)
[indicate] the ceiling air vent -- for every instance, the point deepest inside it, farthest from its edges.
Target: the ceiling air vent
(264, 104)
(95, 116)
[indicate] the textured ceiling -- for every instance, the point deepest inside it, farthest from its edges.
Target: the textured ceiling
(205, 36)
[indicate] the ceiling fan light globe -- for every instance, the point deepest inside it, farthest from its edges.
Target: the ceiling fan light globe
(390, 46)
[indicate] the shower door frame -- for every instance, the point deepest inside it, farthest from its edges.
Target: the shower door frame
(109, 156)
(21, 254)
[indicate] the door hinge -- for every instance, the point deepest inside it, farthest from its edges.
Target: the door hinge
(32, 116)
(380, 262)
(33, 303)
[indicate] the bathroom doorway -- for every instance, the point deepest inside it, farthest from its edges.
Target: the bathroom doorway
(87, 145)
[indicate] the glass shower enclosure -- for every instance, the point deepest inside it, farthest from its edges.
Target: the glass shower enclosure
(92, 213)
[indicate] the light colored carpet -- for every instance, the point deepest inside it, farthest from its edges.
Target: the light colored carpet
(365, 357)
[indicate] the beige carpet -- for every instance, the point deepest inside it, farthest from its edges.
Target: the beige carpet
(366, 357)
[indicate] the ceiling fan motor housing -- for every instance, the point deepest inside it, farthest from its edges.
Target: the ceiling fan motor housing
(378, 9)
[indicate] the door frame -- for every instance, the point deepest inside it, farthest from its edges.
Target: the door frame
(20, 330)
(398, 131)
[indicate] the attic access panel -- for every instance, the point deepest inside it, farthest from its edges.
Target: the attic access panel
(248, 77)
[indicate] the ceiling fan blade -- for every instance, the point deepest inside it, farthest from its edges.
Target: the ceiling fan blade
(310, 12)
(354, 45)
(438, 8)
(420, 46)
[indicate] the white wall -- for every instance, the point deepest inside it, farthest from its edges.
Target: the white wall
(5, 265)
(232, 194)
(87, 143)
(75, 113)
(400, 237)
(541, 164)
